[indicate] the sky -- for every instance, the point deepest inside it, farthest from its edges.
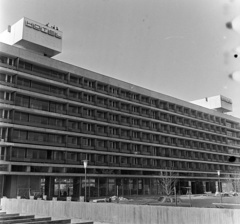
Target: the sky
(180, 48)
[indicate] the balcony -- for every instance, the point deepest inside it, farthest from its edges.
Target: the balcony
(101, 163)
(70, 161)
(71, 145)
(75, 114)
(74, 98)
(145, 152)
(74, 83)
(113, 164)
(124, 150)
(37, 142)
(110, 149)
(73, 129)
(48, 76)
(125, 122)
(125, 164)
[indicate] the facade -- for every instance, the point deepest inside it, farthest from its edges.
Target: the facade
(55, 115)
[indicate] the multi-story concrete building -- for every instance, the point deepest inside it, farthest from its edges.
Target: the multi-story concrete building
(55, 115)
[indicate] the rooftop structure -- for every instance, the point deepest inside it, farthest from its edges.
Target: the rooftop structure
(34, 36)
(218, 103)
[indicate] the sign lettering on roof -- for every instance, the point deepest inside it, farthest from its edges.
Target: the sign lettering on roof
(43, 29)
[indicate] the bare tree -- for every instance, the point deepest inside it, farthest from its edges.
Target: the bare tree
(235, 178)
(168, 181)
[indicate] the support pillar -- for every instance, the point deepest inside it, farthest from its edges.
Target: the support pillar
(216, 185)
(204, 186)
(190, 185)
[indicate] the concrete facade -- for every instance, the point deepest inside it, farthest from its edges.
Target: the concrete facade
(54, 115)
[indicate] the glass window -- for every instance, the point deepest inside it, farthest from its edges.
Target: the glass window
(23, 82)
(40, 86)
(20, 134)
(38, 119)
(39, 104)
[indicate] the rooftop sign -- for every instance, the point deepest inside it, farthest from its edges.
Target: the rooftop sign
(34, 36)
(42, 29)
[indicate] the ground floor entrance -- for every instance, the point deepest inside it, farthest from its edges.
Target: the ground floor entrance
(62, 187)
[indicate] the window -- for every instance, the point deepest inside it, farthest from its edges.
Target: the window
(3, 59)
(18, 152)
(101, 129)
(88, 112)
(72, 140)
(40, 86)
(19, 134)
(23, 82)
(57, 155)
(113, 103)
(89, 83)
(38, 119)
(101, 114)
(73, 109)
(22, 100)
(72, 156)
(113, 145)
(5, 95)
(56, 138)
(88, 142)
(135, 134)
(102, 87)
(56, 107)
(42, 154)
(135, 109)
(37, 136)
(73, 94)
(39, 104)
(135, 121)
(19, 116)
(113, 117)
(55, 122)
(88, 127)
(57, 90)
(73, 124)
(113, 90)
(73, 79)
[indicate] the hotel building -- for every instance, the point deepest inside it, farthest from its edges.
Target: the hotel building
(54, 115)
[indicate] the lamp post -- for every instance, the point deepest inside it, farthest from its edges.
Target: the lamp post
(219, 184)
(85, 163)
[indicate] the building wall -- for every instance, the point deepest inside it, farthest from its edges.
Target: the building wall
(55, 115)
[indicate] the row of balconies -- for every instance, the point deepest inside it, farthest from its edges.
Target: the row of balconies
(106, 117)
(50, 169)
(122, 119)
(142, 150)
(136, 110)
(70, 125)
(76, 142)
(107, 89)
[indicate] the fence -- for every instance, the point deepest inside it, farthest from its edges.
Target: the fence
(121, 213)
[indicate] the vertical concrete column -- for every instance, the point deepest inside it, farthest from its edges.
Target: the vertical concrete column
(190, 185)
(216, 185)
(204, 186)
(80, 187)
(68, 77)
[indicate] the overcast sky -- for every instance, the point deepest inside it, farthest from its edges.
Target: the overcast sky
(179, 48)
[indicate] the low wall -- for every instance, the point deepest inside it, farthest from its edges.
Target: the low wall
(121, 213)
